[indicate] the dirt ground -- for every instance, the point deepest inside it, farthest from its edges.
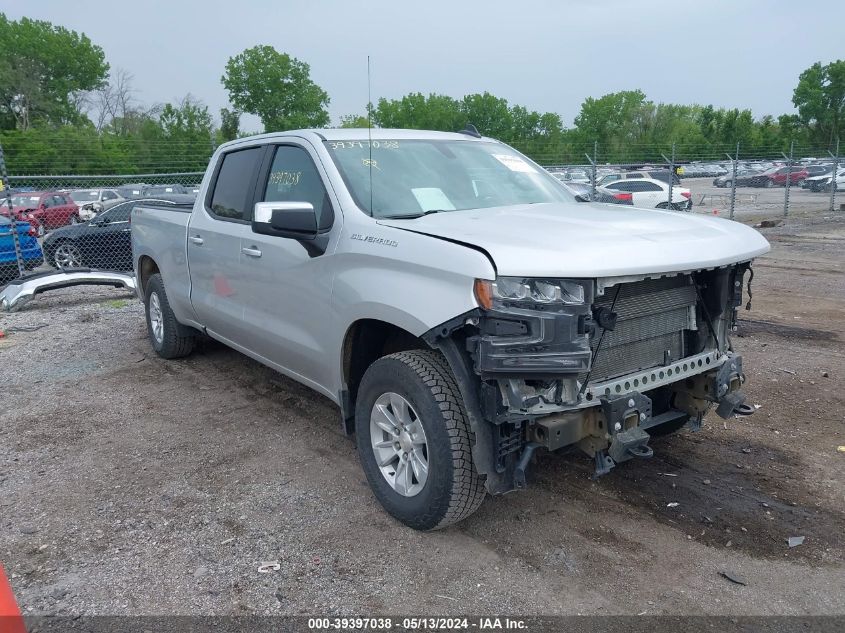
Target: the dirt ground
(134, 485)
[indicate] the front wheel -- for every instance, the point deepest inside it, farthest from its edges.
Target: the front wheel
(162, 326)
(414, 441)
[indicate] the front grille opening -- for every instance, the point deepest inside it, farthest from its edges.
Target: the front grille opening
(656, 318)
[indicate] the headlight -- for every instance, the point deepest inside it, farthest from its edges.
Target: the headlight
(529, 291)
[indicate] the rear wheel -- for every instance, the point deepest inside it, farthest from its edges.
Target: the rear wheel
(414, 441)
(164, 330)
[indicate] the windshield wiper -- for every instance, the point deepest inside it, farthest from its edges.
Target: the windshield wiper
(411, 216)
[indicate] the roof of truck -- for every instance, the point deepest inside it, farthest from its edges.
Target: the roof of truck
(362, 134)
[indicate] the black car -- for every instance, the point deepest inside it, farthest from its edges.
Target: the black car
(105, 242)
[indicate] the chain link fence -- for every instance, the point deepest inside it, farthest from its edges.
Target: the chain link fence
(65, 222)
(724, 181)
(54, 223)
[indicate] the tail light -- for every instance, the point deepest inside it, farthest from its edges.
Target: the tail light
(32, 232)
(686, 194)
(624, 196)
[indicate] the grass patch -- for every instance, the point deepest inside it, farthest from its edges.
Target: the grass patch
(116, 303)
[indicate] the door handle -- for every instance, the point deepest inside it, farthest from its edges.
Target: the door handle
(196, 239)
(252, 252)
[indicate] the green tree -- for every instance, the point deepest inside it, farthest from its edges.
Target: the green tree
(43, 71)
(820, 99)
(230, 124)
(490, 114)
(277, 88)
(419, 112)
(610, 117)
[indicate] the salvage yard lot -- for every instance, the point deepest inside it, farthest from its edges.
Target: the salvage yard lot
(130, 484)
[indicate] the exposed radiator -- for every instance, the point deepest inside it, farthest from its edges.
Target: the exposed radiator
(652, 317)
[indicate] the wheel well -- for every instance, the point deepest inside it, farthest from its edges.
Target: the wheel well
(146, 269)
(366, 341)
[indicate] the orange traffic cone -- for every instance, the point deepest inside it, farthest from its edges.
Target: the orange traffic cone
(10, 616)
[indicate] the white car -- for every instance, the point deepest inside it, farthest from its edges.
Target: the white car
(822, 183)
(649, 193)
(91, 201)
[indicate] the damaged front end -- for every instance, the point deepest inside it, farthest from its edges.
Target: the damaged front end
(598, 364)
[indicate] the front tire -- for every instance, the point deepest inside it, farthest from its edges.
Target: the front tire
(162, 326)
(414, 441)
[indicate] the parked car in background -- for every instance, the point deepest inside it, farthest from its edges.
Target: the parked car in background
(824, 183)
(90, 201)
(165, 190)
(779, 176)
(44, 210)
(815, 172)
(741, 174)
(30, 250)
(581, 191)
(104, 242)
(573, 175)
(649, 193)
(656, 174)
(132, 190)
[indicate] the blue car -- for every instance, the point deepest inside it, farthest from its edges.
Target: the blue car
(30, 250)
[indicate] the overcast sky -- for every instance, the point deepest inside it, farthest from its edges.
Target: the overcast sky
(545, 55)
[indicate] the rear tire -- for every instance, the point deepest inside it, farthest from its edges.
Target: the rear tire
(163, 328)
(452, 488)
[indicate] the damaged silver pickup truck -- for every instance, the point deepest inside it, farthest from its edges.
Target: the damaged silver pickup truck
(455, 301)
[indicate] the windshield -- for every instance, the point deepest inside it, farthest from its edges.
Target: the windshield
(85, 196)
(412, 177)
(25, 201)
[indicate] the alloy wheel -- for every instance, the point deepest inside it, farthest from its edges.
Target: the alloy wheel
(156, 318)
(67, 256)
(399, 444)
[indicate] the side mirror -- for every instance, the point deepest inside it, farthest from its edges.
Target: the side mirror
(296, 220)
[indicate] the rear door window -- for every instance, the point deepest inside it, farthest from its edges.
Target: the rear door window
(235, 184)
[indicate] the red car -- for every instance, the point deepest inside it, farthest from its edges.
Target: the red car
(44, 210)
(777, 177)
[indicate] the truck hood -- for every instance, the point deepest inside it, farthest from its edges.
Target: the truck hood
(592, 240)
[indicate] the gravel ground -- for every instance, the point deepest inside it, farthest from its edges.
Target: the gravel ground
(134, 485)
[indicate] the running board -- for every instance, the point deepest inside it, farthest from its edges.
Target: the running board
(19, 291)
